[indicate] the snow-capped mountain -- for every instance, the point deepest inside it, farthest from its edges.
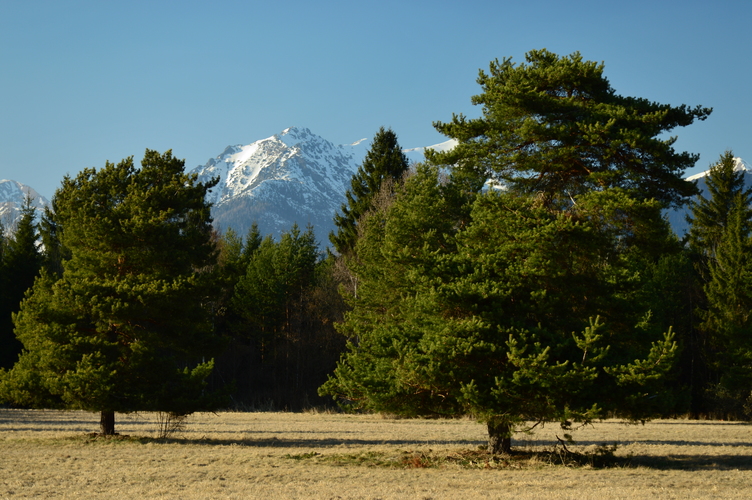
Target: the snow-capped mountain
(12, 196)
(292, 177)
(677, 218)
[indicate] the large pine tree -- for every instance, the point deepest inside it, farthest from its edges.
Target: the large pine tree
(508, 318)
(126, 326)
(525, 303)
(554, 127)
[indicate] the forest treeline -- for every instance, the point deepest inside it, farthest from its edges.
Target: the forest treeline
(527, 274)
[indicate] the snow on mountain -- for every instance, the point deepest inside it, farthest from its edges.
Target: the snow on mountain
(295, 176)
(739, 164)
(12, 196)
(417, 154)
(677, 218)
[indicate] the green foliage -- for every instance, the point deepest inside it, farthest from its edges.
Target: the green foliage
(384, 161)
(490, 319)
(555, 126)
(20, 263)
(719, 238)
(277, 319)
(727, 320)
(276, 278)
(526, 302)
(125, 327)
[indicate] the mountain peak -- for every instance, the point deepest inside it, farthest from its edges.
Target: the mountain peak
(294, 135)
(292, 176)
(12, 197)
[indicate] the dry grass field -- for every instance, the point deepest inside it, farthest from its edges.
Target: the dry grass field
(52, 454)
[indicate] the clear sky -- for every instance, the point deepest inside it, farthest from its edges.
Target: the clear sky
(82, 82)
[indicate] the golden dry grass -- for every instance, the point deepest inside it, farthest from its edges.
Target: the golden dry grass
(301, 455)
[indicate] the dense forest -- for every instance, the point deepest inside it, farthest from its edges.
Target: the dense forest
(527, 274)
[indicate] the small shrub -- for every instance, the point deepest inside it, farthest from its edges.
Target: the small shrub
(169, 423)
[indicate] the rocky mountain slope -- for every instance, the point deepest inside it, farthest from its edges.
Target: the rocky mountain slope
(12, 196)
(295, 176)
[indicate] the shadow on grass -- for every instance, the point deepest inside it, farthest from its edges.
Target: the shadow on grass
(31, 420)
(694, 462)
(330, 451)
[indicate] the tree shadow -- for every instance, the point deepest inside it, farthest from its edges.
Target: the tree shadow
(41, 420)
(694, 462)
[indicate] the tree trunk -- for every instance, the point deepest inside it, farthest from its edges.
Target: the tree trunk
(499, 438)
(107, 423)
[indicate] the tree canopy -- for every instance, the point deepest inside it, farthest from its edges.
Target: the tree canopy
(125, 327)
(525, 302)
(720, 240)
(384, 161)
(555, 126)
(20, 263)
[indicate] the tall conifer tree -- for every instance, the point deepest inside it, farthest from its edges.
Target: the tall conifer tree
(507, 313)
(709, 216)
(719, 237)
(21, 264)
(384, 160)
(125, 327)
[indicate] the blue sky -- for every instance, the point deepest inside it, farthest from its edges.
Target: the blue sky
(82, 82)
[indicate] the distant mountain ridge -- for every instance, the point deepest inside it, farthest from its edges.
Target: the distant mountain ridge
(295, 176)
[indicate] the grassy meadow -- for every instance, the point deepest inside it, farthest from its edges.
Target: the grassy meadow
(53, 454)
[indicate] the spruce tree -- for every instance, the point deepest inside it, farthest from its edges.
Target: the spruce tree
(383, 161)
(708, 217)
(718, 232)
(21, 264)
(126, 327)
(49, 233)
(727, 317)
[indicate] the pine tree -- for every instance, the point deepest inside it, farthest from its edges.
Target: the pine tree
(383, 161)
(125, 327)
(524, 303)
(478, 319)
(554, 127)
